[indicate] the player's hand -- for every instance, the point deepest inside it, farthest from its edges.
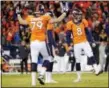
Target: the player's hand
(66, 10)
(93, 45)
(68, 53)
(105, 56)
(69, 48)
(56, 51)
(18, 11)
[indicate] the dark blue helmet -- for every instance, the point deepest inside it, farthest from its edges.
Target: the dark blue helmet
(77, 16)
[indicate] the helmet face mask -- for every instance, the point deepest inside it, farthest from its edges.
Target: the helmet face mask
(77, 16)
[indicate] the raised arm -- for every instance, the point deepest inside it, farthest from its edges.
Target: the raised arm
(21, 21)
(54, 20)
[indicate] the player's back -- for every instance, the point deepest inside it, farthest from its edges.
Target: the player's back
(78, 31)
(38, 26)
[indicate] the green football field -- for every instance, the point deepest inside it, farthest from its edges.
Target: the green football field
(64, 80)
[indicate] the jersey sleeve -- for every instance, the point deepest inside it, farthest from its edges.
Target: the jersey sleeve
(85, 22)
(68, 26)
(49, 26)
(47, 17)
(28, 18)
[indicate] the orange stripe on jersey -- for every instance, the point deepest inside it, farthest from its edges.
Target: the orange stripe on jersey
(57, 30)
(78, 31)
(50, 26)
(38, 26)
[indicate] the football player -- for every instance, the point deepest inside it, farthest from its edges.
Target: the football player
(38, 26)
(50, 43)
(78, 27)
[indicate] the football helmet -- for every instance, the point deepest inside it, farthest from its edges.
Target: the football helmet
(77, 16)
(50, 13)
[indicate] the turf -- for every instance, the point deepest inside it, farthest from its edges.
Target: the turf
(64, 80)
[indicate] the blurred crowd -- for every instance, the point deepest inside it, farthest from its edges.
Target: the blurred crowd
(96, 13)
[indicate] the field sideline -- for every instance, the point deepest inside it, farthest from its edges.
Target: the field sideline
(64, 80)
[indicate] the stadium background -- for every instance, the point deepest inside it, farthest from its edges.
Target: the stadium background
(12, 33)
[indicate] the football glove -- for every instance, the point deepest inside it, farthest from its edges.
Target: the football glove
(18, 11)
